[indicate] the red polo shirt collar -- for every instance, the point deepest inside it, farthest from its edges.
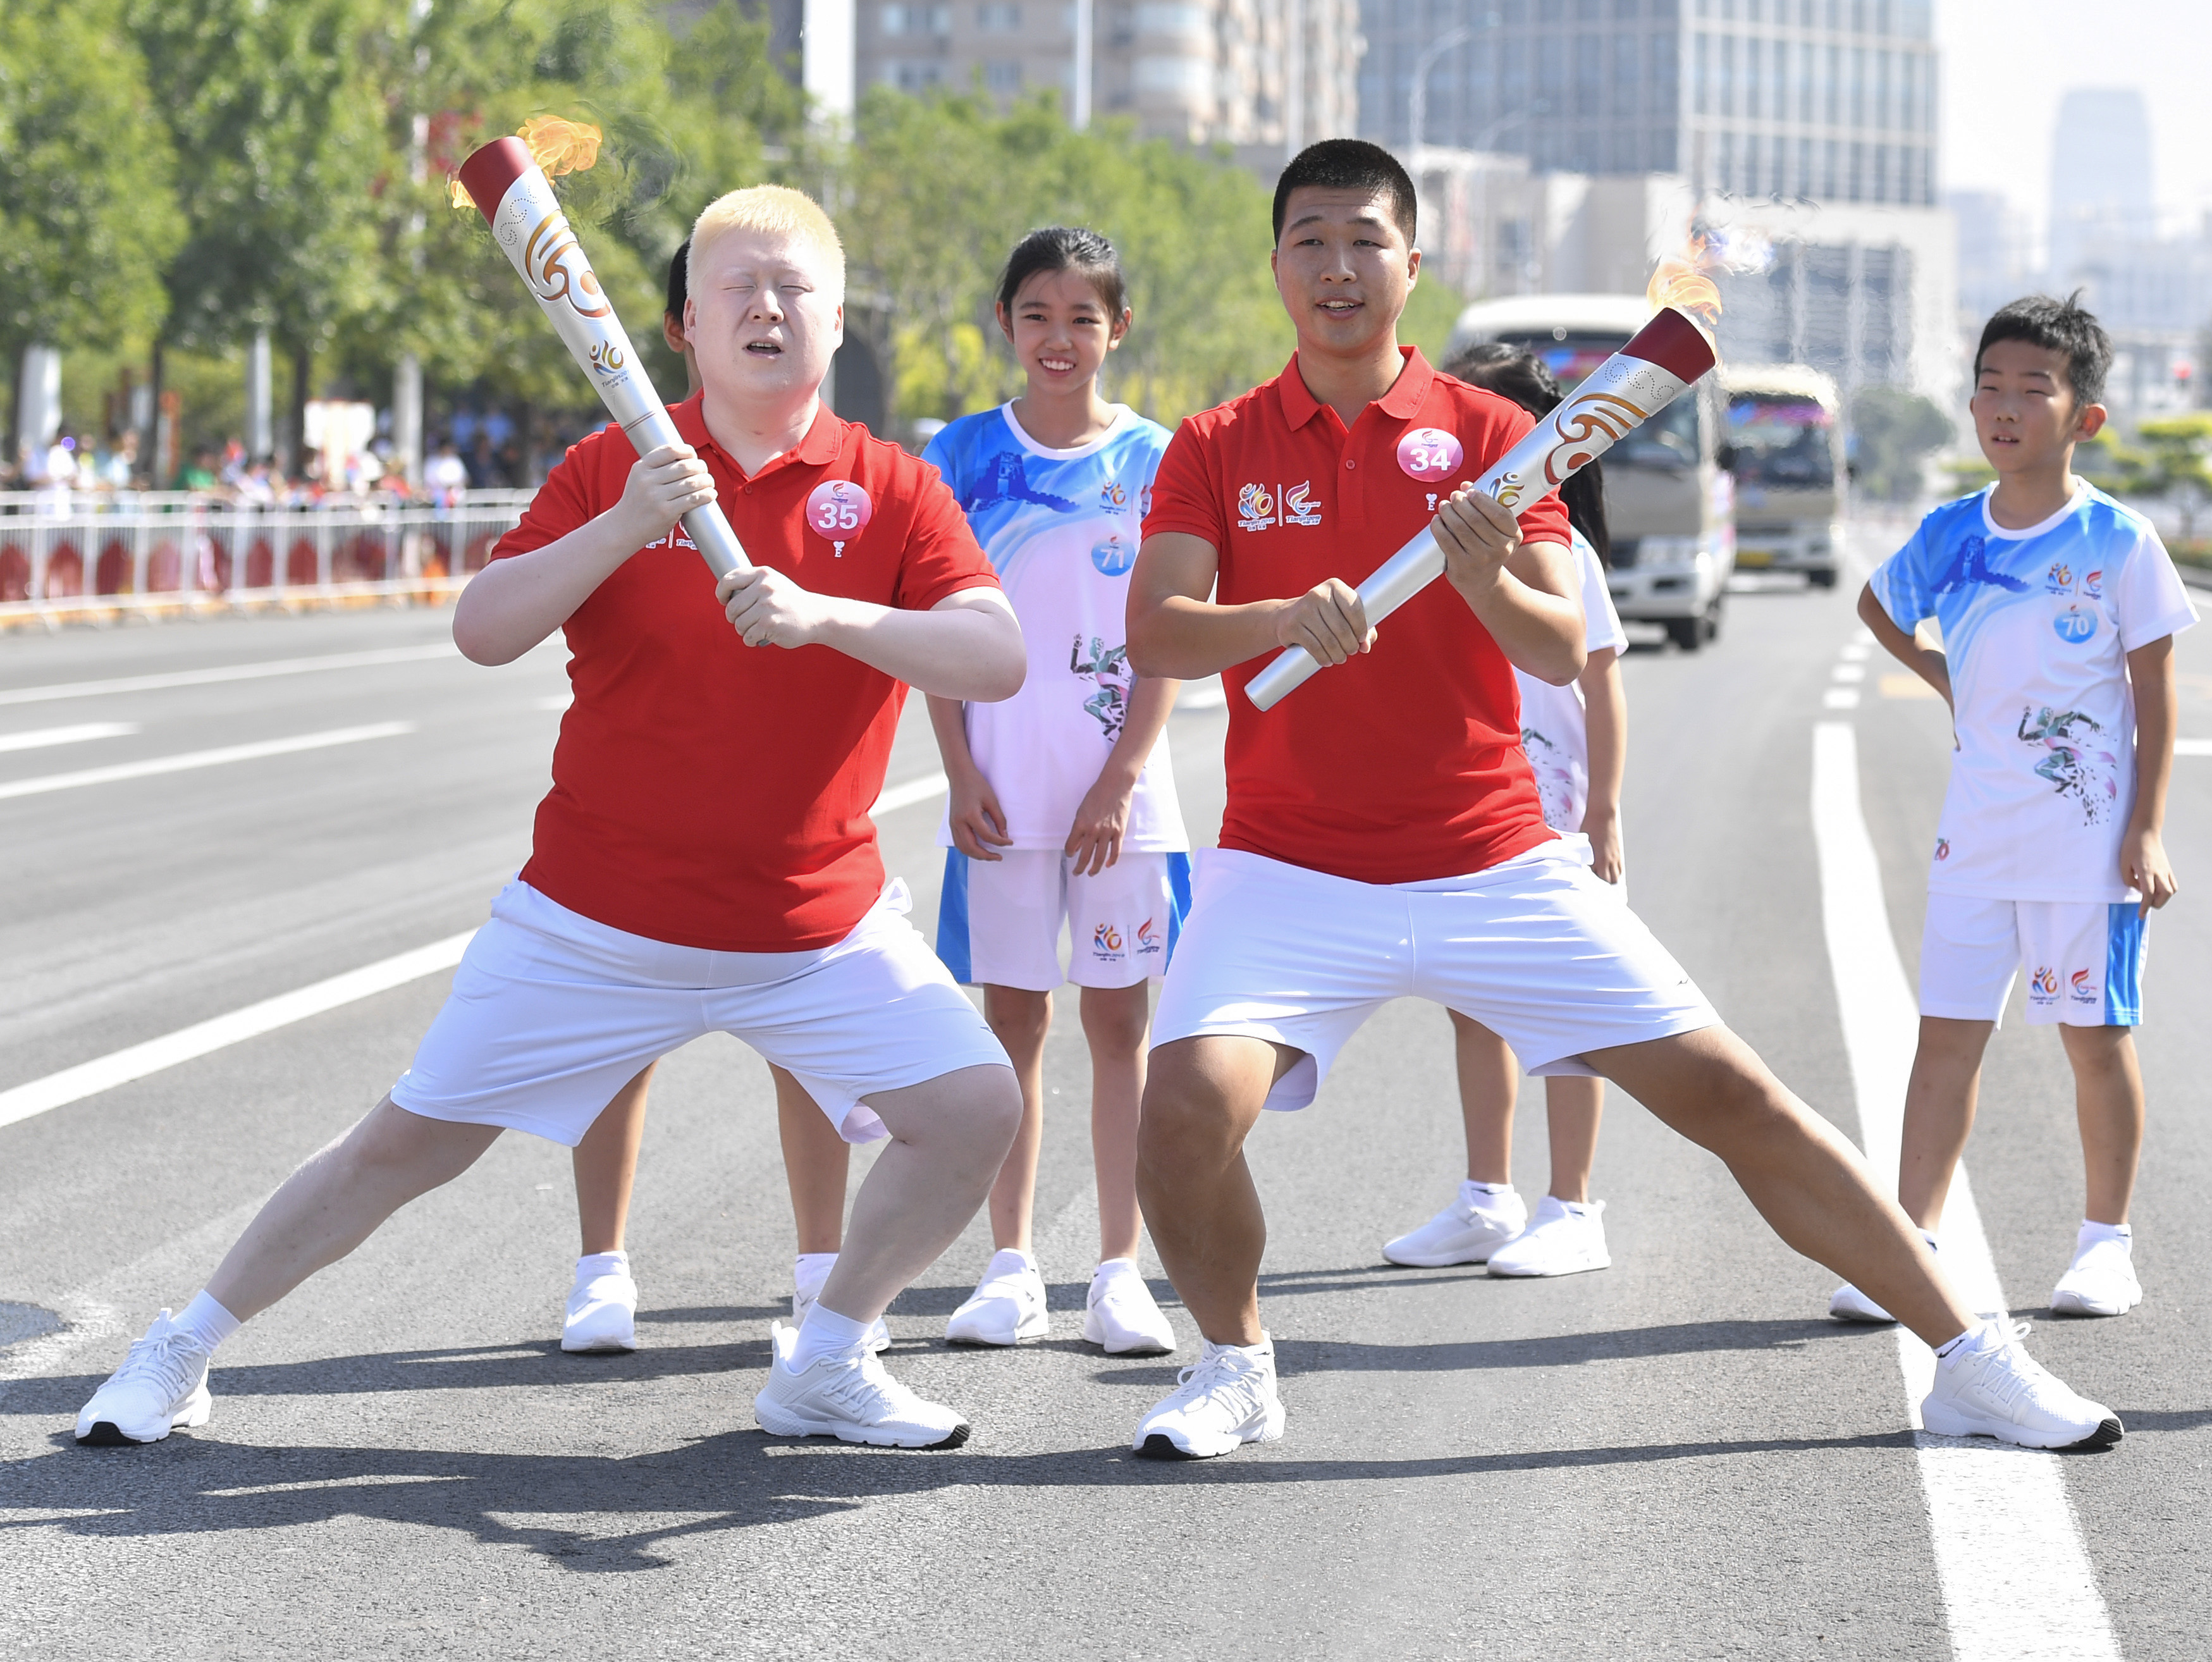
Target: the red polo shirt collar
(1401, 403)
(823, 440)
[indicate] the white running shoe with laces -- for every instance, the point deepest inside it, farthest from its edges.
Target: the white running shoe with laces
(1560, 1241)
(1008, 1306)
(1990, 1387)
(803, 1301)
(1224, 1400)
(1466, 1232)
(161, 1387)
(602, 1316)
(1121, 1316)
(849, 1395)
(2101, 1280)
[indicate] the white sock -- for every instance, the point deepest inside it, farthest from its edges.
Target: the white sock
(1261, 1355)
(1474, 1194)
(1929, 1235)
(592, 1265)
(207, 1321)
(1008, 1259)
(2093, 1232)
(825, 1333)
(1114, 1267)
(810, 1270)
(1984, 1335)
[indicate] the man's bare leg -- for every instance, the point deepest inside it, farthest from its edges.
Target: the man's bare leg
(1572, 1108)
(1489, 1082)
(1940, 1100)
(1201, 1100)
(1808, 1182)
(605, 1165)
(817, 1163)
(2108, 1101)
(339, 1198)
(949, 1137)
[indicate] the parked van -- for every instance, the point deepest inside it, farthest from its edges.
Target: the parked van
(1669, 503)
(1784, 446)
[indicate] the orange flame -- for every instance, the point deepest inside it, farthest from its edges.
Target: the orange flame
(555, 143)
(1683, 280)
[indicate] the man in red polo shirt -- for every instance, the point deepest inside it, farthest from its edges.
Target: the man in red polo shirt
(705, 858)
(1383, 836)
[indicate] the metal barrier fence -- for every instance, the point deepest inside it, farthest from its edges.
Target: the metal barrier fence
(171, 552)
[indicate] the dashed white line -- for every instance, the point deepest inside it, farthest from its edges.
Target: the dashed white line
(45, 738)
(194, 678)
(1840, 698)
(913, 791)
(189, 760)
(2016, 1573)
(2192, 748)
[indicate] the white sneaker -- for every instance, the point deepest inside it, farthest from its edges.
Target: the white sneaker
(1122, 1315)
(1225, 1400)
(1848, 1304)
(602, 1312)
(1999, 1390)
(849, 1396)
(2101, 1280)
(162, 1385)
(1559, 1240)
(1466, 1232)
(1007, 1307)
(803, 1301)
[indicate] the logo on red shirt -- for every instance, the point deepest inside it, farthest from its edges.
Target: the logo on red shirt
(840, 510)
(1429, 453)
(1255, 508)
(1298, 506)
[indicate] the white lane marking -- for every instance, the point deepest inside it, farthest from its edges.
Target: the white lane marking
(1857, 651)
(556, 701)
(1848, 671)
(44, 738)
(1840, 698)
(2192, 748)
(194, 678)
(914, 791)
(2016, 1578)
(202, 759)
(121, 1067)
(1208, 694)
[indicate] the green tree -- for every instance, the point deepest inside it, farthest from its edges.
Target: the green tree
(1893, 431)
(88, 211)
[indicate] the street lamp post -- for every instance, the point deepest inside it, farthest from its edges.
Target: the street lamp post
(1418, 114)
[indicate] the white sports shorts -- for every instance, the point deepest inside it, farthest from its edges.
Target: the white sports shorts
(999, 921)
(552, 1013)
(2085, 960)
(1537, 949)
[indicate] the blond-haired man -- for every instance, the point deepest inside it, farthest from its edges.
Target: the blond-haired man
(704, 860)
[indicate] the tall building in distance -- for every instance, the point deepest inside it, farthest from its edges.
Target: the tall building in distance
(2100, 176)
(1264, 76)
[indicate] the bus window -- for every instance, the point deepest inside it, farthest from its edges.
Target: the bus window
(1782, 442)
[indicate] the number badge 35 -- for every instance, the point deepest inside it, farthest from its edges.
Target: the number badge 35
(840, 510)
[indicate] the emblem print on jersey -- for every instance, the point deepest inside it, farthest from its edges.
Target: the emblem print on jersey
(2074, 626)
(1148, 937)
(840, 510)
(1942, 848)
(2085, 989)
(1299, 505)
(2093, 585)
(1972, 568)
(2074, 760)
(1113, 557)
(2059, 578)
(1108, 668)
(1429, 453)
(1106, 941)
(1144, 502)
(1255, 508)
(1113, 496)
(2044, 986)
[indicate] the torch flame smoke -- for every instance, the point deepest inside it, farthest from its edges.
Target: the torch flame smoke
(556, 144)
(1685, 280)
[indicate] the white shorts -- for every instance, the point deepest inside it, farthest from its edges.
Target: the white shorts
(552, 1013)
(2085, 959)
(999, 921)
(1537, 949)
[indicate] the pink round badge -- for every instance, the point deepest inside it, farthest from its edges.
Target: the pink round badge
(838, 509)
(1430, 453)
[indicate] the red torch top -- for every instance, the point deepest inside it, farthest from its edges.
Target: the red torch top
(487, 175)
(1669, 340)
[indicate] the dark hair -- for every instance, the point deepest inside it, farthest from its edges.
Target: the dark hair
(1348, 164)
(1517, 373)
(680, 281)
(2060, 326)
(1067, 248)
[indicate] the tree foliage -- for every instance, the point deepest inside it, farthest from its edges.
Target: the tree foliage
(89, 212)
(1894, 432)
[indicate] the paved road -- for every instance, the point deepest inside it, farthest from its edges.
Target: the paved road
(1675, 1457)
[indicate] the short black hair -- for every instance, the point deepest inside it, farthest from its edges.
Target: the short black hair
(1517, 373)
(1348, 164)
(1067, 248)
(2058, 326)
(680, 281)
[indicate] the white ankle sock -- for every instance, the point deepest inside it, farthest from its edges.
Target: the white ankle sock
(810, 1270)
(823, 1333)
(2093, 1232)
(1007, 1260)
(1114, 1267)
(1983, 1335)
(592, 1265)
(1260, 1355)
(207, 1321)
(1469, 1189)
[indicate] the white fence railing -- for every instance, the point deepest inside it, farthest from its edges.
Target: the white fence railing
(158, 553)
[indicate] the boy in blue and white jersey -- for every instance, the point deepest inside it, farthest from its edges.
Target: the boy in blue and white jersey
(1063, 807)
(2057, 608)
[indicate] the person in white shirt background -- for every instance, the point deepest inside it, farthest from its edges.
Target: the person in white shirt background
(1576, 737)
(1063, 808)
(2057, 608)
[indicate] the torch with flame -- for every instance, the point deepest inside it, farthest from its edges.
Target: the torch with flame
(506, 179)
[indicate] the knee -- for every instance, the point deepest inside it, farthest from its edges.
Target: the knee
(1184, 1123)
(394, 1149)
(1018, 1019)
(1115, 1025)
